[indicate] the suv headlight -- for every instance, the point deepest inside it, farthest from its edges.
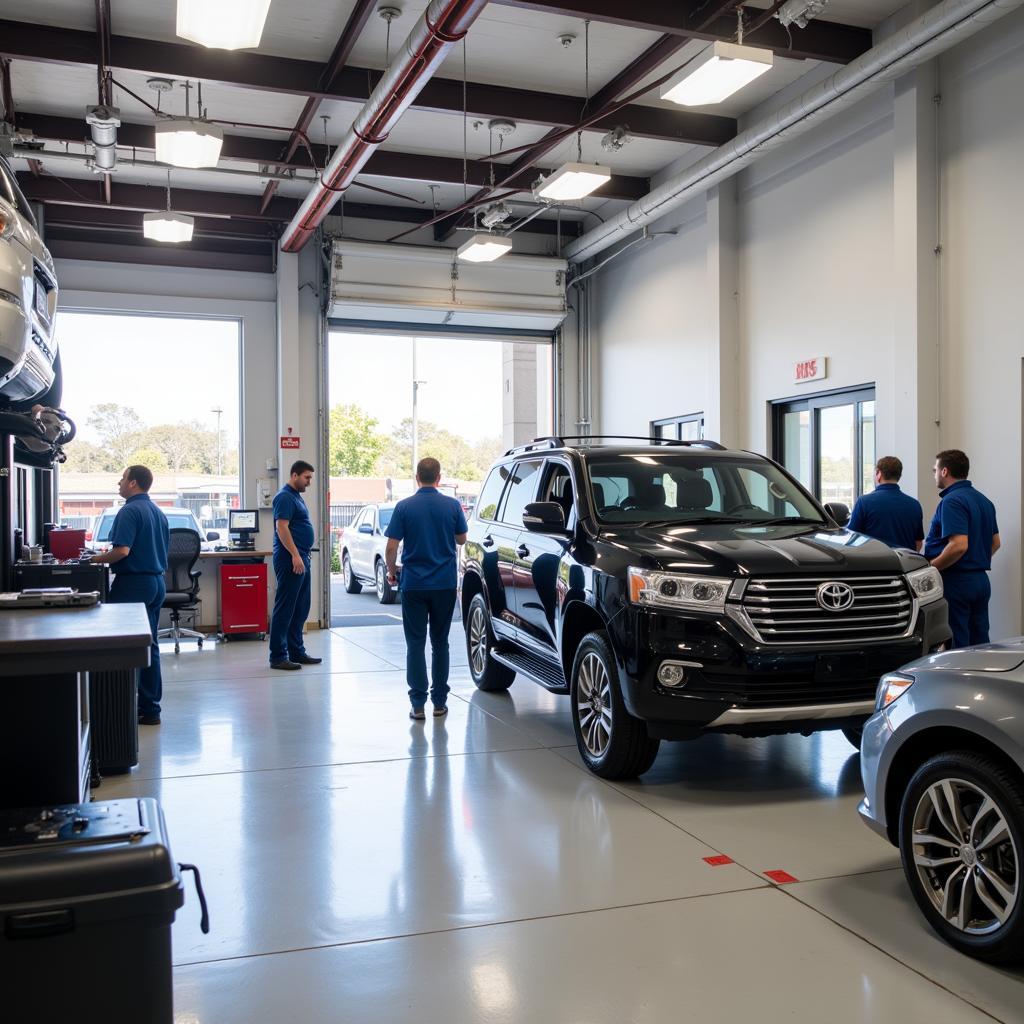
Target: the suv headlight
(892, 686)
(926, 584)
(673, 590)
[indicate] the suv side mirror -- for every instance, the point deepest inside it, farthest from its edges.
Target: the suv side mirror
(212, 535)
(544, 517)
(839, 512)
(365, 528)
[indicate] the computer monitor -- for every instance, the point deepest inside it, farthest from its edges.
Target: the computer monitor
(243, 525)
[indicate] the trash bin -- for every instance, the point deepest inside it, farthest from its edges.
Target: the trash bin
(88, 894)
(114, 721)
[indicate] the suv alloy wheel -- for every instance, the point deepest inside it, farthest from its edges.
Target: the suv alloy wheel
(386, 593)
(612, 743)
(961, 838)
(488, 675)
(352, 585)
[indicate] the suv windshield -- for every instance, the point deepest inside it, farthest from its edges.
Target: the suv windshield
(684, 488)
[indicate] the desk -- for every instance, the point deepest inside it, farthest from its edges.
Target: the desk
(45, 658)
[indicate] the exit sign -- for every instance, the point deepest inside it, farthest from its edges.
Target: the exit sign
(806, 370)
(291, 441)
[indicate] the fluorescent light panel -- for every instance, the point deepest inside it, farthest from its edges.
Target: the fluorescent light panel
(188, 142)
(223, 24)
(167, 227)
(484, 248)
(723, 69)
(573, 181)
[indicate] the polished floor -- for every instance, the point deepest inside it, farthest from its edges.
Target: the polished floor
(364, 868)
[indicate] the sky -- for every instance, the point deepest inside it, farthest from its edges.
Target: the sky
(168, 369)
(463, 378)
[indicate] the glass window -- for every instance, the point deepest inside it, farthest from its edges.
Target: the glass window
(675, 494)
(103, 529)
(178, 521)
(796, 434)
(520, 492)
(680, 428)
(487, 503)
(385, 517)
(867, 446)
(837, 454)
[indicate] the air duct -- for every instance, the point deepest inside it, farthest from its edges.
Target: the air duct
(926, 37)
(441, 26)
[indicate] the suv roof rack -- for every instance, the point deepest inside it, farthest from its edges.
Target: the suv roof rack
(547, 443)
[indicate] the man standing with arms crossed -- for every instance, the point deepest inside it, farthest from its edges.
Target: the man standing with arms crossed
(293, 540)
(963, 538)
(139, 540)
(431, 525)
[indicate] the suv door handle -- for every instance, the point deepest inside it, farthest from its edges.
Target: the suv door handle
(487, 542)
(522, 551)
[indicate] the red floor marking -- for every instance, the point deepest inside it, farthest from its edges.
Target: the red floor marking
(780, 877)
(717, 862)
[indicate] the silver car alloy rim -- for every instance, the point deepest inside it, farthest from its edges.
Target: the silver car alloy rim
(965, 856)
(478, 641)
(346, 568)
(380, 580)
(594, 705)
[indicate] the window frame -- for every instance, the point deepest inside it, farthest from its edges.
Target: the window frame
(677, 422)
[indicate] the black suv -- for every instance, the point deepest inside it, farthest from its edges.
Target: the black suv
(674, 588)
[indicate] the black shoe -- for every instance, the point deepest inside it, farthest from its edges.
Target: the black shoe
(286, 666)
(441, 711)
(149, 719)
(307, 659)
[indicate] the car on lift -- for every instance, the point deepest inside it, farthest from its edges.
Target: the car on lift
(361, 547)
(942, 761)
(29, 360)
(675, 588)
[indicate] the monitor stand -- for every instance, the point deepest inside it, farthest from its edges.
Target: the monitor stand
(243, 542)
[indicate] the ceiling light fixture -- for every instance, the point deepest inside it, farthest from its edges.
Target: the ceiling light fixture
(484, 248)
(721, 70)
(188, 142)
(223, 24)
(167, 226)
(573, 181)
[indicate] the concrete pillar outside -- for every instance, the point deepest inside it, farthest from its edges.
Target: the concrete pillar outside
(519, 393)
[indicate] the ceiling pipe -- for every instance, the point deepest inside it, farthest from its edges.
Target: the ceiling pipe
(441, 26)
(924, 38)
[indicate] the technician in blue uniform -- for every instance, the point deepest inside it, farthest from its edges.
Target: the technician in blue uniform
(963, 538)
(139, 539)
(293, 540)
(431, 525)
(887, 514)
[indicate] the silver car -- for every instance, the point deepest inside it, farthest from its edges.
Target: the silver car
(361, 547)
(28, 304)
(942, 761)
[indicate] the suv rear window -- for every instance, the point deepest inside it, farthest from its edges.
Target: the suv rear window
(487, 503)
(681, 488)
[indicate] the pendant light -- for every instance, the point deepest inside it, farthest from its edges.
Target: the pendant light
(167, 226)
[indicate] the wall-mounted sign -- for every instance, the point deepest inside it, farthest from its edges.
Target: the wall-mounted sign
(291, 442)
(807, 370)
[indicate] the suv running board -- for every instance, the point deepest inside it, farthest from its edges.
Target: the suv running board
(538, 669)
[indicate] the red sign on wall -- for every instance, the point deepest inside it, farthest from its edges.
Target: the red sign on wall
(810, 369)
(291, 441)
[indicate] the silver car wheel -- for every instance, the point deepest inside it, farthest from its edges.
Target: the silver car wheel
(478, 641)
(346, 571)
(594, 705)
(965, 856)
(381, 581)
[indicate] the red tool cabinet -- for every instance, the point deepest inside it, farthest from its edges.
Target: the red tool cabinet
(243, 599)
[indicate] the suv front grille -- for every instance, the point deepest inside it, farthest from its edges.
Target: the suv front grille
(786, 610)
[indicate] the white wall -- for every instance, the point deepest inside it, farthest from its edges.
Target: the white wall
(820, 273)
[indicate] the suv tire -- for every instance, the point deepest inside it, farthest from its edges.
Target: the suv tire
(972, 782)
(352, 585)
(612, 743)
(386, 593)
(488, 675)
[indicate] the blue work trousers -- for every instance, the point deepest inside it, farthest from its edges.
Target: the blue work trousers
(426, 611)
(138, 588)
(967, 594)
(291, 608)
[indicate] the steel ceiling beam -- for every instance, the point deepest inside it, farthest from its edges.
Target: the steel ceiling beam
(47, 44)
(384, 163)
(821, 40)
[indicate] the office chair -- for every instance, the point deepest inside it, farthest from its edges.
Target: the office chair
(182, 584)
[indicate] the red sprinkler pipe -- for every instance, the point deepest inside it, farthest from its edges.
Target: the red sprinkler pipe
(443, 24)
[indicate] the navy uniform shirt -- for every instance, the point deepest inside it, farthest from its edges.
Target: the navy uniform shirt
(288, 505)
(889, 515)
(963, 510)
(142, 527)
(427, 524)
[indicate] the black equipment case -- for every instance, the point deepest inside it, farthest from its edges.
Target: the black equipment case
(88, 894)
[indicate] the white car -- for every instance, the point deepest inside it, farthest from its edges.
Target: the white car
(29, 364)
(98, 537)
(361, 552)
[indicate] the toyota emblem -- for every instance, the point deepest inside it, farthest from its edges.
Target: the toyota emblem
(835, 597)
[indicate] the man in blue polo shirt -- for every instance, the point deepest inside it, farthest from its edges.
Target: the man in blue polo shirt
(963, 538)
(887, 514)
(293, 541)
(431, 526)
(139, 540)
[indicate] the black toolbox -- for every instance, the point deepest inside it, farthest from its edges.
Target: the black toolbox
(88, 894)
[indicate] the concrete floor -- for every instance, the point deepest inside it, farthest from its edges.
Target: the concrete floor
(363, 868)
